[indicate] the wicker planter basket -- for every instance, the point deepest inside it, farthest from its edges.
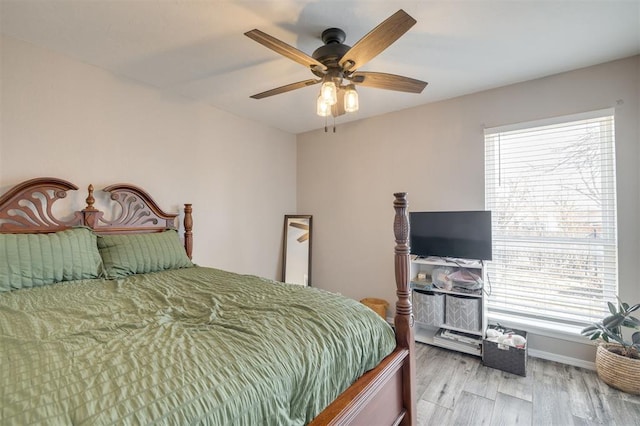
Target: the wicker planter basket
(618, 371)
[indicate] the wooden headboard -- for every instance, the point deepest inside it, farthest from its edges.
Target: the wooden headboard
(28, 208)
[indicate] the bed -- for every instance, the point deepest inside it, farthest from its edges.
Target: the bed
(104, 319)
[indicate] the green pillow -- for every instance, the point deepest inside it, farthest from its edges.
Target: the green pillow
(128, 254)
(34, 260)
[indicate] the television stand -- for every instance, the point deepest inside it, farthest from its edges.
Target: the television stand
(450, 313)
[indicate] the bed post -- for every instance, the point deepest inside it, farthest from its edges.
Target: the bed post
(90, 214)
(188, 227)
(403, 320)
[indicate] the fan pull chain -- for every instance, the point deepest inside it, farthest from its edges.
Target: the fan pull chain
(326, 124)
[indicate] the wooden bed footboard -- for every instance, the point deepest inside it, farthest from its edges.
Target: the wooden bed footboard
(374, 399)
(386, 394)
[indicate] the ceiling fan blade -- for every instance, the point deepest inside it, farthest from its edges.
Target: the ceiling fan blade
(287, 88)
(378, 39)
(284, 49)
(299, 225)
(303, 238)
(381, 80)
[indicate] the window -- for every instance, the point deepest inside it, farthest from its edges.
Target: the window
(551, 188)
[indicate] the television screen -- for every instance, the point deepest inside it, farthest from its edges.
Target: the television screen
(460, 234)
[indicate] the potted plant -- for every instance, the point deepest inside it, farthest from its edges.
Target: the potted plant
(618, 360)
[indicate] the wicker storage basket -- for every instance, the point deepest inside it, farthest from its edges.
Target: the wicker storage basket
(618, 371)
(379, 306)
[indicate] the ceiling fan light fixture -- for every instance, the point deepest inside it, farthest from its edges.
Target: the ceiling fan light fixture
(329, 92)
(323, 109)
(335, 62)
(351, 99)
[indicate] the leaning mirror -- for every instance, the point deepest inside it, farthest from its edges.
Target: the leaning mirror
(296, 260)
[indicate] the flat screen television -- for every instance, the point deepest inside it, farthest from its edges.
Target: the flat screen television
(459, 234)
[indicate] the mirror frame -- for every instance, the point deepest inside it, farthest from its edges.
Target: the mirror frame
(288, 219)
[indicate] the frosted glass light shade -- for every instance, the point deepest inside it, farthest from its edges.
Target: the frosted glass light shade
(351, 99)
(329, 92)
(322, 108)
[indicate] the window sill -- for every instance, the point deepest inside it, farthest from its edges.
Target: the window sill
(554, 330)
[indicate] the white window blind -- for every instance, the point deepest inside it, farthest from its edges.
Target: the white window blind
(552, 192)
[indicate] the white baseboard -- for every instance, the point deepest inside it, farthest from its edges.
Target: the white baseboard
(576, 362)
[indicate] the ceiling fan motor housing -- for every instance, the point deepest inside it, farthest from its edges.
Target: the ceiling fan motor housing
(333, 50)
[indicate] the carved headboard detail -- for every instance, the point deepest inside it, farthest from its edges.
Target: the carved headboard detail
(27, 207)
(138, 213)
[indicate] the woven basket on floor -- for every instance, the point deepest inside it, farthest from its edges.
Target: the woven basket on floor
(618, 371)
(379, 306)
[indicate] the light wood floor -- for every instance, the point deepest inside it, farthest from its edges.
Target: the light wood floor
(456, 389)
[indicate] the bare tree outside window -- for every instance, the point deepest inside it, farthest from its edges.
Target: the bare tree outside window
(551, 190)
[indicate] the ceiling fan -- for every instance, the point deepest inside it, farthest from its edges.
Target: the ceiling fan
(304, 237)
(336, 65)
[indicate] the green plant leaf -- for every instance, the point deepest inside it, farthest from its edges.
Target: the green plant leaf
(610, 328)
(613, 321)
(604, 330)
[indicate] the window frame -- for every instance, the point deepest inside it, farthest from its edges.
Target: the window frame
(608, 210)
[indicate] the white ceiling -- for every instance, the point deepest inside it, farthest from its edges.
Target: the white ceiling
(197, 48)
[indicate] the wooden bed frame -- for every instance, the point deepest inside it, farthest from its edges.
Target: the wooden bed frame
(383, 395)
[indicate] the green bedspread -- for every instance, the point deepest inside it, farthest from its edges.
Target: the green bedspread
(188, 346)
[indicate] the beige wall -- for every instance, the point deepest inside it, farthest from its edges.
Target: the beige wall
(435, 153)
(67, 119)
